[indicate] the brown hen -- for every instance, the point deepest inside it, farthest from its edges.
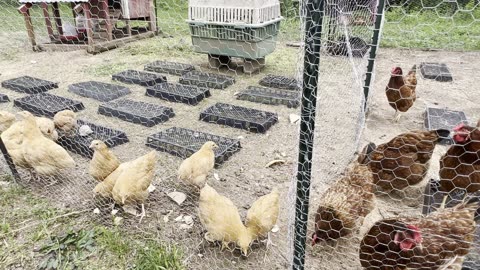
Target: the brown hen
(460, 166)
(400, 90)
(344, 205)
(404, 160)
(419, 243)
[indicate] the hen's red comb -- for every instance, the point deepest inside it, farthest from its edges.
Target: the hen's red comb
(459, 127)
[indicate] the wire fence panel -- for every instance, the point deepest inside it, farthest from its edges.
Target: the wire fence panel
(315, 134)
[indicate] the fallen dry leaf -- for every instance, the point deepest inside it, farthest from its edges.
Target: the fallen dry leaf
(177, 197)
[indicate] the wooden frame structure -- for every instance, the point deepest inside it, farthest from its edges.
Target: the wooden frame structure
(102, 12)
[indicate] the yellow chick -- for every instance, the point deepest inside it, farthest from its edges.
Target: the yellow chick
(42, 154)
(195, 169)
(221, 219)
(131, 186)
(263, 215)
(65, 121)
(13, 138)
(103, 162)
(47, 127)
(6, 120)
(105, 187)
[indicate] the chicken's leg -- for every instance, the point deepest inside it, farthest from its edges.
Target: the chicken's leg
(397, 116)
(142, 214)
(225, 245)
(444, 201)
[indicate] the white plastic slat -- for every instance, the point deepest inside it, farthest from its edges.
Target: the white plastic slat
(261, 12)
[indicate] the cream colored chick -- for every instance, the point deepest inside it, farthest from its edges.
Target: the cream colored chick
(6, 120)
(103, 162)
(47, 127)
(105, 187)
(13, 138)
(43, 155)
(263, 215)
(65, 121)
(221, 219)
(131, 186)
(195, 169)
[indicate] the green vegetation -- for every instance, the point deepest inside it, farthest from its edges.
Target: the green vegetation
(65, 251)
(427, 30)
(441, 25)
(159, 257)
(36, 235)
(112, 240)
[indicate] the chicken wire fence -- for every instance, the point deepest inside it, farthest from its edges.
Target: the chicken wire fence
(286, 94)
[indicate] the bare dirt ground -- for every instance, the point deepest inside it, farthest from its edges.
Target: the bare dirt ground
(244, 176)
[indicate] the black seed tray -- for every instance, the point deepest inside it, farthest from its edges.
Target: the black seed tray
(29, 85)
(443, 119)
(139, 77)
(98, 90)
(270, 96)
(239, 117)
(47, 104)
(436, 71)
(183, 143)
(279, 82)
(81, 145)
(209, 80)
(137, 112)
(172, 68)
(189, 94)
(4, 98)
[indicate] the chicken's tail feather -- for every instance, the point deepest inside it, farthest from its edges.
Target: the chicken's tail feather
(364, 156)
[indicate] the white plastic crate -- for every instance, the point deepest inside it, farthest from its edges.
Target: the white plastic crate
(234, 11)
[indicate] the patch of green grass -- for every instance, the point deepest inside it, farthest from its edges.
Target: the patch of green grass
(9, 195)
(173, 47)
(114, 241)
(4, 228)
(427, 30)
(156, 256)
(106, 69)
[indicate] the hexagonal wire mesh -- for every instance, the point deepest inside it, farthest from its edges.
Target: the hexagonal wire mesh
(149, 82)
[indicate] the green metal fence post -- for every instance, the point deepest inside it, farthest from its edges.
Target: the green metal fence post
(313, 34)
(374, 46)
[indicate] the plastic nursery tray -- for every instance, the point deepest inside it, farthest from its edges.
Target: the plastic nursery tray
(81, 144)
(172, 68)
(279, 82)
(436, 118)
(98, 90)
(436, 71)
(139, 77)
(270, 96)
(209, 80)
(239, 117)
(189, 94)
(184, 142)
(137, 112)
(47, 104)
(4, 98)
(29, 85)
